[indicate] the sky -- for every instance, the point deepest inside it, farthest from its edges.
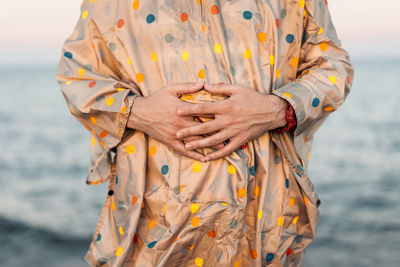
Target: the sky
(34, 31)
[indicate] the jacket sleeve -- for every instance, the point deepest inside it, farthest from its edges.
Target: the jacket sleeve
(93, 80)
(324, 73)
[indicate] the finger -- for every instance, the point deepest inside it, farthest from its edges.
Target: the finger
(209, 141)
(198, 137)
(228, 149)
(184, 88)
(201, 108)
(199, 129)
(221, 88)
(180, 147)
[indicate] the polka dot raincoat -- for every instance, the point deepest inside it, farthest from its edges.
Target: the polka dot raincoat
(253, 207)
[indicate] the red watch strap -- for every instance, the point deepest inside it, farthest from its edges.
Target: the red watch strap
(290, 117)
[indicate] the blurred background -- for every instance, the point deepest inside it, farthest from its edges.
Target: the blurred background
(354, 164)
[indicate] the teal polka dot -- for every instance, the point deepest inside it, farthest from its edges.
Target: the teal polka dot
(112, 46)
(98, 238)
(177, 189)
(290, 38)
(116, 179)
(315, 102)
(232, 70)
(88, 67)
(269, 257)
(233, 224)
(152, 244)
(287, 183)
(150, 18)
(164, 169)
(300, 167)
(277, 159)
(252, 170)
(168, 38)
(68, 54)
(247, 15)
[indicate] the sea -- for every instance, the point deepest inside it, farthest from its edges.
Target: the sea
(48, 213)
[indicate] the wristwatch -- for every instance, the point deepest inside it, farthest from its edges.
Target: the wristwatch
(290, 118)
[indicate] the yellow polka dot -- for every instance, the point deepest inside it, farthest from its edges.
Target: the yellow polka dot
(194, 208)
(218, 48)
(295, 61)
(231, 169)
(262, 36)
(113, 205)
(301, 3)
(224, 204)
(295, 219)
(287, 94)
(140, 77)
(129, 61)
(280, 221)
(328, 108)
(201, 74)
(247, 53)
(259, 214)
(185, 55)
(198, 261)
(195, 221)
(242, 192)
(332, 79)
(257, 191)
(121, 89)
(165, 207)
(135, 4)
(81, 71)
(85, 14)
(93, 141)
(109, 101)
(130, 149)
(119, 251)
(123, 109)
(121, 230)
(278, 73)
(236, 264)
(323, 46)
(91, 1)
(291, 202)
(151, 224)
(271, 59)
(154, 56)
(196, 167)
(152, 150)
(321, 30)
(93, 119)
(69, 82)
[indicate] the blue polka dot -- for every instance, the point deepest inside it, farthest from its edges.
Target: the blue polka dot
(287, 183)
(269, 257)
(98, 238)
(152, 244)
(89, 67)
(315, 102)
(299, 174)
(68, 54)
(164, 169)
(298, 239)
(150, 18)
(290, 38)
(177, 189)
(252, 170)
(247, 15)
(233, 224)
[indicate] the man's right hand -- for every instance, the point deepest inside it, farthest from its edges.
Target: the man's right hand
(156, 115)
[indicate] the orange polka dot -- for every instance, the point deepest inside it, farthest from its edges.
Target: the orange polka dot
(291, 202)
(323, 46)
(134, 200)
(184, 17)
(253, 254)
(103, 134)
(262, 36)
(214, 10)
(236, 264)
(152, 223)
(93, 119)
(201, 74)
(135, 4)
(120, 23)
(295, 61)
(212, 234)
(257, 191)
(123, 109)
(195, 221)
(140, 77)
(242, 192)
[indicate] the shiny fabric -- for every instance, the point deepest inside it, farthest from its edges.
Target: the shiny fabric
(254, 207)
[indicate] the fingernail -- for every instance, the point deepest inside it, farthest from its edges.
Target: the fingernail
(179, 134)
(202, 160)
(188, 146)
(206, 158)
